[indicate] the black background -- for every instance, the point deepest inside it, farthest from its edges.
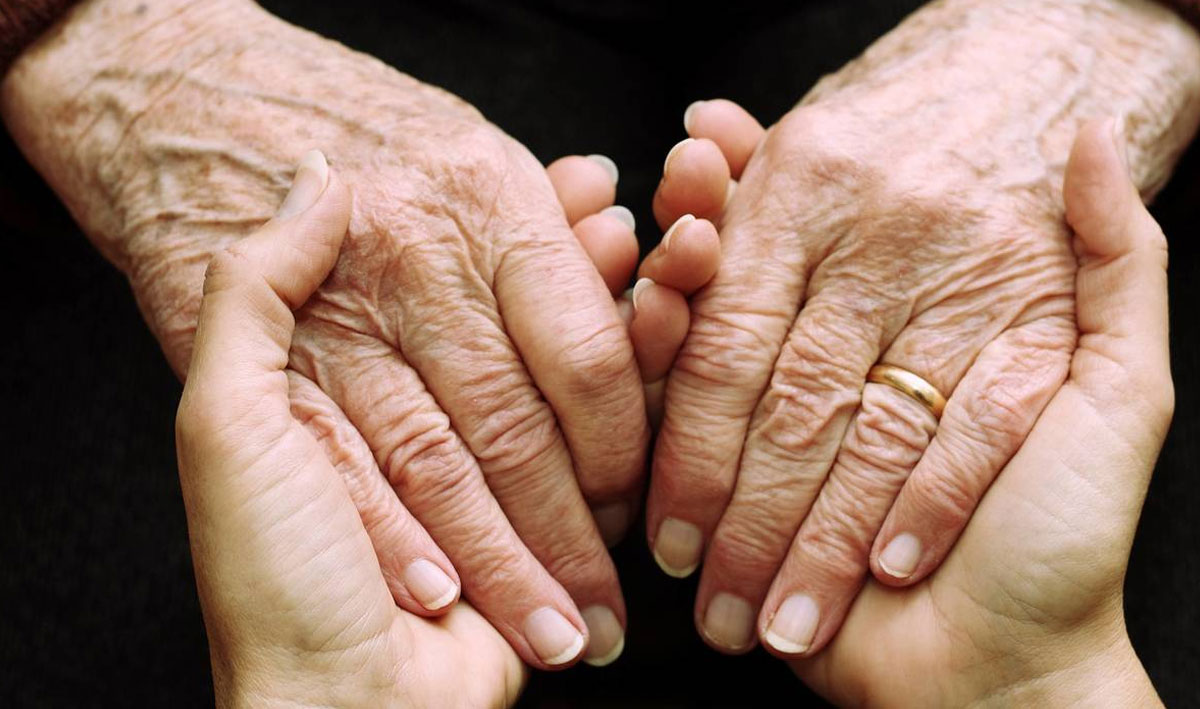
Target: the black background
(97, 605)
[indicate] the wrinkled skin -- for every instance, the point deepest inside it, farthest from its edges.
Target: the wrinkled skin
(295, 602)
(1027, 609)
(464, 360)
(907, 212)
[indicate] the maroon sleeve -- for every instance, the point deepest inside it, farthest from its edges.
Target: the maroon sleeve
(21, 21)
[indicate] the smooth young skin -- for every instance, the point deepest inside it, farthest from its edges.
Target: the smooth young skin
(909, 212)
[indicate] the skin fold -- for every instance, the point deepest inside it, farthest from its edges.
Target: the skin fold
(1026, 609)
(464, 361)
(296, 604)
(464, 372)
(908, 211)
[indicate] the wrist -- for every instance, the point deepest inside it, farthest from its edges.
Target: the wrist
(1094, 674)
(1014, 81)
(256, 675)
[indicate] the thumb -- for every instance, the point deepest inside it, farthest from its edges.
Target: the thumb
(1122, 363)
(245, 324)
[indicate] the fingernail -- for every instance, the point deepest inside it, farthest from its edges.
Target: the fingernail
(1121, 141)
(312, 174)
(612, 521)
(666, 240)
(795, 623)
(729, 192)
(677, 547)
(609, 166)
(639, 288)
(431, 586)
(899, 558)
(607, 636)
(688, 114)
(729, 621)
(622, 214)
(676, 147)
(555, 640)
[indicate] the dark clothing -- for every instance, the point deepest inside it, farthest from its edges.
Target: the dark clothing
(21, 21)
(97, 603)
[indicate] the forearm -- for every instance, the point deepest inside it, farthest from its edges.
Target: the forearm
(170, 129)
(75, 102)
(1014, 80)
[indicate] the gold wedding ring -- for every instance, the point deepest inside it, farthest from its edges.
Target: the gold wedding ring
(908, 383)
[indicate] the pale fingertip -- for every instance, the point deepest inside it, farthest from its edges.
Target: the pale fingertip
(677, 547)
(729, 622)
(792, 629)
(607, 163)
(610, 658)
(622, 215)
(607, 636)
(674, 149)
(689, 114)
(612, 520)
(900, 557)
(310, 180)
(638, 289)
(666, 240)
(429, 585)
(554, 639)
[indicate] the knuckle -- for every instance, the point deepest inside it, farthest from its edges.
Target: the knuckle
(755, 533)
(726, 350)
(945, 497)
(226, 268)
(600, 364)
(814, 386)
(744, 556)
(690, 474)
(800, 136)
(480, 158)
(1000, 415)
(513, 442)
(578, 561)
(835, 546)
(888, 436)
(604, 484)
(496, 568)
(428, 460)
(794, 419)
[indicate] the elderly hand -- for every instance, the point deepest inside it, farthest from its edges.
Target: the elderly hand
(463, 363)
(295, 601)
(908, 212)
(1027, 609)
